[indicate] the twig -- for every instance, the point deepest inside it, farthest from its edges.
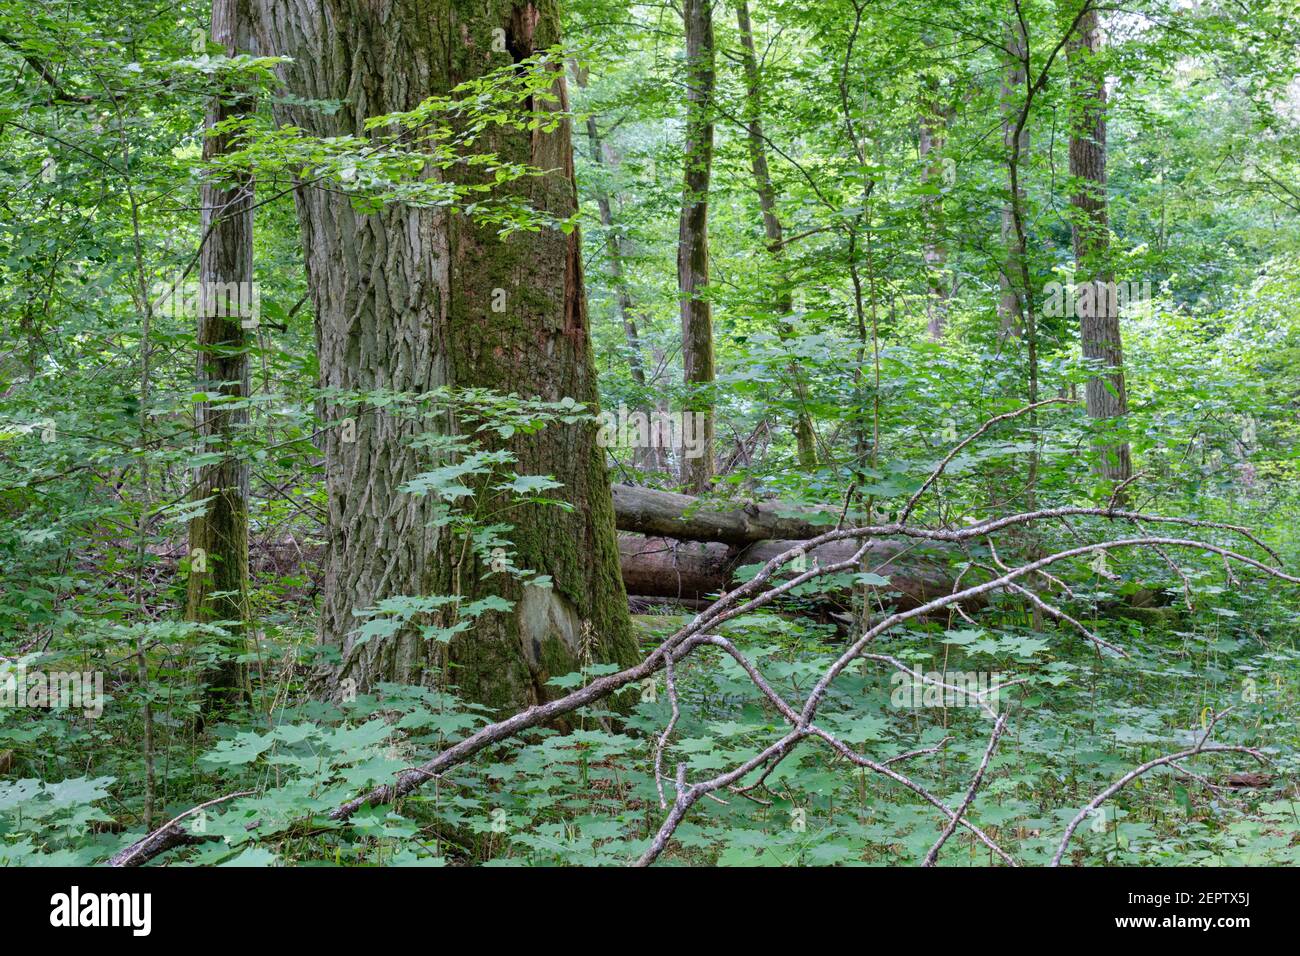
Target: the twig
(1114, 788)
(933, 855)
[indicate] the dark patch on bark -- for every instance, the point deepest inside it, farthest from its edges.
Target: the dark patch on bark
(520, 30)
(574, 300)
(519, 37)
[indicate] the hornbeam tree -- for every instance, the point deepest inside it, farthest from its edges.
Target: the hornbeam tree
(415, 297)
(1099, 331)
(1015, 139)
(693, 232)
(932, 133)
(218, 536)
(783, 303)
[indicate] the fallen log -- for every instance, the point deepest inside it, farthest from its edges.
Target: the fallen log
(688, 549)
(663, 514)
(695, 570)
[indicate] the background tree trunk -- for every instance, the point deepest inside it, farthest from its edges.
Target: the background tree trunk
(930, 143)
(404, 300)
(693, 234)
(1013, 82)
(218, 538)
(1099, 331)
(605, 159)
(783, 303)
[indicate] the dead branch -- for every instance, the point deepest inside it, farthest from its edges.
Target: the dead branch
(1201, 747)
(761, 590)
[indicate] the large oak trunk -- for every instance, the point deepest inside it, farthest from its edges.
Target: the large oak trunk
(404, 300)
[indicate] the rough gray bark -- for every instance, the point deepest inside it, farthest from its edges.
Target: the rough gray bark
(1099, 330)
(693, 233)
(783, 304)
(404, 300)
(217, 588)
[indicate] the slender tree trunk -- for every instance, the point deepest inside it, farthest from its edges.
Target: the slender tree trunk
(1099, 330)
(604, 157)
(1017, 146)
(932, 134)
(1019, 288)
(405, 300)
(783, 303)
(218, 538)
(693, 234)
